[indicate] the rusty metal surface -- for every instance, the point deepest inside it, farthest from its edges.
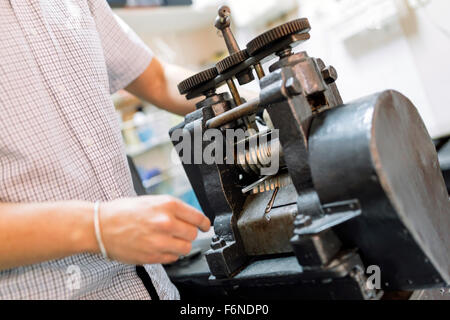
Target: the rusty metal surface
(275, 34)
(262, 57)
(365, 176)
(223, 24)
(231, 61)
(262, 235)
(407, 166)
(197, 80)
(236, 113)
(387, 161)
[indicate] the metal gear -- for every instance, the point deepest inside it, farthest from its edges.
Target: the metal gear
(197, 79)
(231, 61)
(277, 33)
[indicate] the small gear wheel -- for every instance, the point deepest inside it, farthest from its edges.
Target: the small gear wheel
(277, 33)
(231, 61)
(196, 80)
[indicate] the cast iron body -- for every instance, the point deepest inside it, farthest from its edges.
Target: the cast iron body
(361, 184)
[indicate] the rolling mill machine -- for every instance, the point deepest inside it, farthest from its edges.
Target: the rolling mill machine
(356, 186)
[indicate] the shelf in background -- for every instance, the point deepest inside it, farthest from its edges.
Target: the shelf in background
(134, 151)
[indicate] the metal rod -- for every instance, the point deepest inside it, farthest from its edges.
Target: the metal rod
(234, 92)
(230, 41)
(243, 110)
(285, 53)
(259, 71)
(223, 24)
(271, 202)
(254, 184)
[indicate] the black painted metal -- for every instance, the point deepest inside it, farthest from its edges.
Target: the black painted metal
(279, 278)
(409, 243)
(367, 186)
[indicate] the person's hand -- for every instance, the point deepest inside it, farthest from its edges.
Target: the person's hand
(149, 229)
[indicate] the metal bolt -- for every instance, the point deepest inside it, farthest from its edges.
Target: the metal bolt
(223, 24)
(293, 87)
(320, 64)
(302, 221)
(284, 53)
(218, 243)
(222, 20)
(209, 93)
(329, 74)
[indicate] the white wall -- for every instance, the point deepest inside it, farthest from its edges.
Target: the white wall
(373, 44)
(376, 45)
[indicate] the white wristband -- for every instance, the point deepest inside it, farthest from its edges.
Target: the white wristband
(98, 234)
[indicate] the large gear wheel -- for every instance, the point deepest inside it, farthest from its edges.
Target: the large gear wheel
(196, 80)
(277, 33)
(231, 61)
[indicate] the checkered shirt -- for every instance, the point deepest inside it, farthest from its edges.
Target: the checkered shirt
(59, 134)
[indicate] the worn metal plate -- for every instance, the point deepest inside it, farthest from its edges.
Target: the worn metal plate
(270, 233)
(377, 150)
(409, 173)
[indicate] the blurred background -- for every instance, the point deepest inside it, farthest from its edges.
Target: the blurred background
(373, 44)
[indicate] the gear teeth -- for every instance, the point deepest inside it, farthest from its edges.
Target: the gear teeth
(277, 33)
(197, 79)
(231, 61)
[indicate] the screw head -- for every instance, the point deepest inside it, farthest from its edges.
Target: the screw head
(293, 87)
(329, 74)
(218, 243)
(223, 19)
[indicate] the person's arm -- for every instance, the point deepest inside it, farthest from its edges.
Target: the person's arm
(32, 233)
(132, 65)
(144, 230)
(158, 85)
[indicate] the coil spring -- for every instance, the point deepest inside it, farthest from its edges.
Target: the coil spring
(257, 152)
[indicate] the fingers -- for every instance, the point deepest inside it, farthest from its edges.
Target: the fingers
(177, 247)
(155, 229)
(192, 216)
(167, 258)
(184, 230)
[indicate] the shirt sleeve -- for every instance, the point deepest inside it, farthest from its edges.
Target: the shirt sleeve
(126, 55)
